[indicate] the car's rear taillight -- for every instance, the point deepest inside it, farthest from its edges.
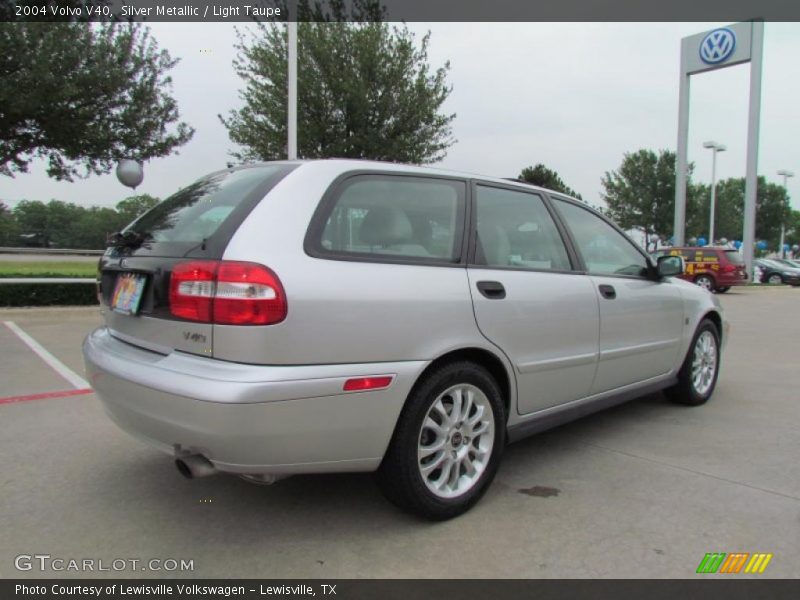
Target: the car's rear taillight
(191, 290)
(248, 294)
(226, 293)
(729, 268)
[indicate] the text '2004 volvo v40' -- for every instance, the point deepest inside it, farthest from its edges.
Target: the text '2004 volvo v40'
(335, 316)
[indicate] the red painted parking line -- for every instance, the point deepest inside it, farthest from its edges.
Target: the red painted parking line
(45, 396)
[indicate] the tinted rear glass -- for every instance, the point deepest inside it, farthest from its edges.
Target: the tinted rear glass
(734, 257)
(200, 219)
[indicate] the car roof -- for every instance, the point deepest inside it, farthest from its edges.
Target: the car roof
(348, 164)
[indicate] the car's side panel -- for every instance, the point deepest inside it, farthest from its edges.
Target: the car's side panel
(342, 311)
(548, 326)
(697, 304)
(640, 331)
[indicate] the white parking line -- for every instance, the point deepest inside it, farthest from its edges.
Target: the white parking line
(76, 380)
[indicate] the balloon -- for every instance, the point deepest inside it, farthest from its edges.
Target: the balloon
(130, 172)
(762, 245)
(724, 241)
(737, 244)
(701, 241)
(692, 241)
(786, 247)
(796, 248)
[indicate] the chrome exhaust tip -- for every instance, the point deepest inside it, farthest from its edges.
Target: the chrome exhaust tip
(195, 466)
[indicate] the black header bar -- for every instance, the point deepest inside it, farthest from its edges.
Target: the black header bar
(399, 10)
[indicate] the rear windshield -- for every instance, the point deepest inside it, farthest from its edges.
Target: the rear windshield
(734, 257)
(200, 219)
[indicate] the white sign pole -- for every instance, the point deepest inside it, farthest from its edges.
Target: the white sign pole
(753, 121)
(292, 91)
(681, 164)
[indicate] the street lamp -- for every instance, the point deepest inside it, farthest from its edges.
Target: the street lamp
(785, 174)
(715, 147)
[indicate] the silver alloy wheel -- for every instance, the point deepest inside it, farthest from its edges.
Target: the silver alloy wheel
(456, 440)
(704, 362)
(705, 283)
(775, 279)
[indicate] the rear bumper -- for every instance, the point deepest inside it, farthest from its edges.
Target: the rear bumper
(731, 281)
(247, 418)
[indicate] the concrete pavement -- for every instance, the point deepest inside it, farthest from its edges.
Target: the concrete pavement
(642, 490)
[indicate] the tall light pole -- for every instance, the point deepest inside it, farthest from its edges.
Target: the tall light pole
(785, 174)
(715, 148)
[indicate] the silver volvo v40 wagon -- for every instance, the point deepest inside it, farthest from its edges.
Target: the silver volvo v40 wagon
(336, 315)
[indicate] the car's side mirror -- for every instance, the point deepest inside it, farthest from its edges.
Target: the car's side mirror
(669, 266)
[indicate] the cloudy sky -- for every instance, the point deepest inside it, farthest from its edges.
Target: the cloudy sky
(573, 96)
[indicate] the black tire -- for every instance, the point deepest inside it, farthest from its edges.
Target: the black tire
(399, 476)
(706, 281)
(722, 290)
(775, 279)
(684, 392)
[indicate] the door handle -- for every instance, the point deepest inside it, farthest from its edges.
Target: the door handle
(493, 290)
(607, 291)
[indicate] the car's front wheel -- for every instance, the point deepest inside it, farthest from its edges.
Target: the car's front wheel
(447, 444)
(698, 375)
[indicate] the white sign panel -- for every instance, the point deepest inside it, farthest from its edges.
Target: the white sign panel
(721, 47)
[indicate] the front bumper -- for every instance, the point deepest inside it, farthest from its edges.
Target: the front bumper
(248, 418)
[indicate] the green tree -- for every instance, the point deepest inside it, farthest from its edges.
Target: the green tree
(365, 90)
(82, 96)
(793, 227)
(641, 193)
(8, 227)
(772, 209)
(541, 176)
(31, 218)
(134, 206)
(93, 227)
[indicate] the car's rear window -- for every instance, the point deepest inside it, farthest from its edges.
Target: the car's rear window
(734, 257)
(200, 219)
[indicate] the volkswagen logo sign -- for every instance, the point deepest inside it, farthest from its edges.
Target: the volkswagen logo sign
(717, 46)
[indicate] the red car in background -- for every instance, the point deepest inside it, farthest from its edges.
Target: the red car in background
(716, 269)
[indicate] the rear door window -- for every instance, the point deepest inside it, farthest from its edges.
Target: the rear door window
(390, 217)
(515, 229)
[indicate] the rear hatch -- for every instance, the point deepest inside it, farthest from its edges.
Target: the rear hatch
(194, 224)
(735, 260)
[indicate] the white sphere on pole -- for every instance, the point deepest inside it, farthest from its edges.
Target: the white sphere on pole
(130, 172)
